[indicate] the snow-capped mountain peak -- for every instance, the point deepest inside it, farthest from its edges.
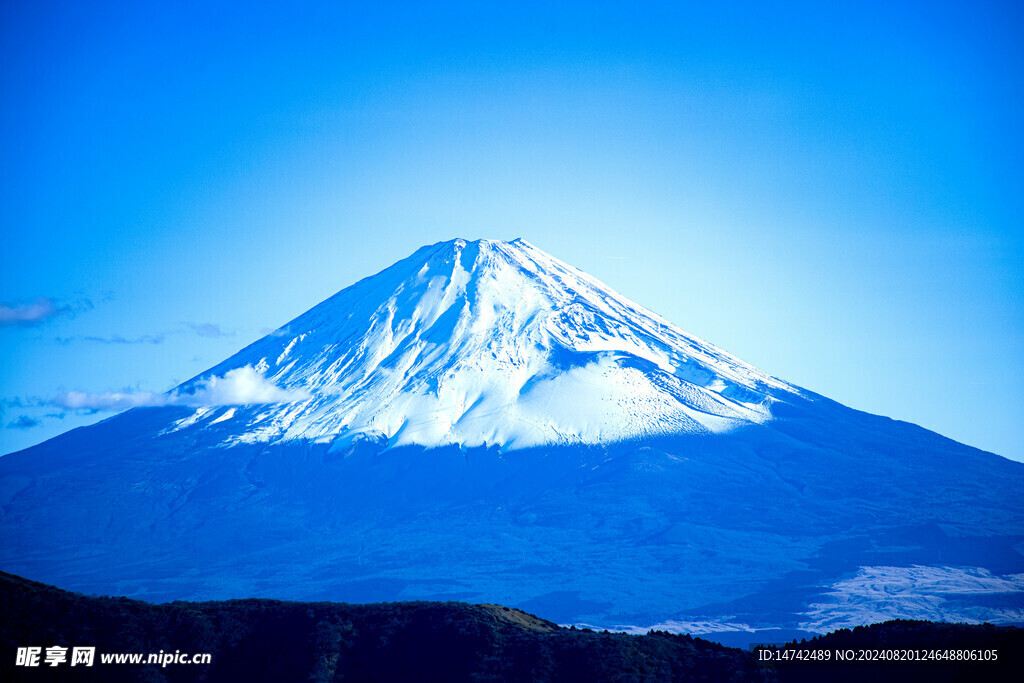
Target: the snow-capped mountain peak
(489, 343)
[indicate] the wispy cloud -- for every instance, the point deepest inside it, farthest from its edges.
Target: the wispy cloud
(115, 339)
(241, 386)
(116, 400)
(22, 402)
(209, 330)
(23, 422)
(39, 311)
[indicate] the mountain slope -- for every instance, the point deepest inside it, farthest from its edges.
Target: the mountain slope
(482, 422)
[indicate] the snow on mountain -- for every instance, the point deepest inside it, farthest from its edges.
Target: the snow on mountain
(490, 342)
(941, 593)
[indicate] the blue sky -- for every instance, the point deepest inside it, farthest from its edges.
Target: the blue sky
(830, 193)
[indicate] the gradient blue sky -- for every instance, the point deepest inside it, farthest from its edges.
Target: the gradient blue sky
(829, 191)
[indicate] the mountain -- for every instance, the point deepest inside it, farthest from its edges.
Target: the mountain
(483, 422)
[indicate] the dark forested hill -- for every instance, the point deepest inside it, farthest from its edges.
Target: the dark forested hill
(271, 640)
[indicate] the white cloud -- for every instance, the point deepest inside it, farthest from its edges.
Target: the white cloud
(241, 386)
(118, 400)
(29, 314)
(237, 387)
(40, 310)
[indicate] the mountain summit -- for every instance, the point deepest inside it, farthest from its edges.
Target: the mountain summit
(483, 422)
(490, 343)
